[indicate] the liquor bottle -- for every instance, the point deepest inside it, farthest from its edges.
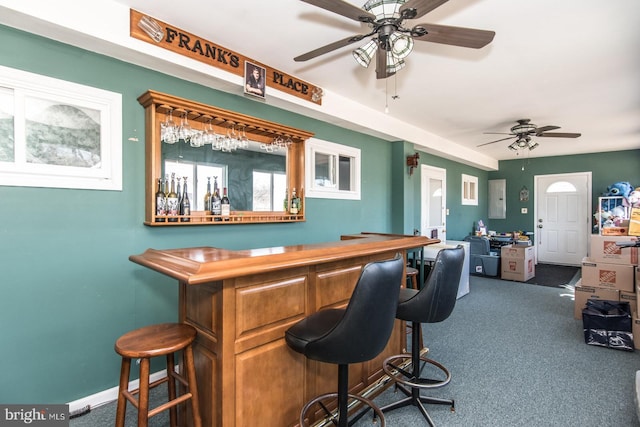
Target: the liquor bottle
(225, 205)
(179, 192)
(215, 201)
(285, 202)
(172, 201)
(185, 205)
(207, 196)
(295, 203)
(160, 202)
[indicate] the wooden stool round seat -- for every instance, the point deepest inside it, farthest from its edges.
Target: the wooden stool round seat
(412, 277)
(153, 341)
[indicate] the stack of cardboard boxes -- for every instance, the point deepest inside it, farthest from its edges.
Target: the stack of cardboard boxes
(610, 273)
(518, 262)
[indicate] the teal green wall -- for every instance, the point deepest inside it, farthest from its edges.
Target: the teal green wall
(461, 218)
(606, 168)
(68, 288)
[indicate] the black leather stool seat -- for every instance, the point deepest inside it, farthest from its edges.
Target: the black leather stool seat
(353, 334)
(431, 304)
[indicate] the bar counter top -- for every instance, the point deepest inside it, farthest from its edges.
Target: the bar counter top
(205, 264)
(243, 303)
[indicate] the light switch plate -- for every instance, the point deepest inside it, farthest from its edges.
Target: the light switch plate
(523, 210)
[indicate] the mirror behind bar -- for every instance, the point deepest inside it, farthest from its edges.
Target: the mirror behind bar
(261, 165)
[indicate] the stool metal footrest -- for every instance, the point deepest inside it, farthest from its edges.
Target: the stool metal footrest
(392, 366)
(409, 381)
(334, 417)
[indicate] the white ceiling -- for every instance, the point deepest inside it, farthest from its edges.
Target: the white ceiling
(570, 63)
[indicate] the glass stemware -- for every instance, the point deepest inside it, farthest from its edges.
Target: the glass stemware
(184, 131)
(168, 130)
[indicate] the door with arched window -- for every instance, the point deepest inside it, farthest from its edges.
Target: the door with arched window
(563, 218)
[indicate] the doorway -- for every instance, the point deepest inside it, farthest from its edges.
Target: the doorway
(433, 202)
(562, 217)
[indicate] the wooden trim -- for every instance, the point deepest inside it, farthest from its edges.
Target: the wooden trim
(206, 264)
(157, 105)
(191, 46)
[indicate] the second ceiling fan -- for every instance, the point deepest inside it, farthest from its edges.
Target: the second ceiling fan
(392, 41)
(524, 130)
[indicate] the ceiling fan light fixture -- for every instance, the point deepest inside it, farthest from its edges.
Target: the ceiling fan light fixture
(384, 9)
(394, 64)
(365, 53)
(401, 44)
(523, 128)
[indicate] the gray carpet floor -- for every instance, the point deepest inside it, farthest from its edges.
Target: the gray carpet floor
(517, 358)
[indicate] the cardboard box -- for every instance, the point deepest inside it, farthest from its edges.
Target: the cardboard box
(634, 222)
(517, 263)
(632, 299)
(615, 231)
(607, 275)
(583, 293)
(635, 328)
(604, 249)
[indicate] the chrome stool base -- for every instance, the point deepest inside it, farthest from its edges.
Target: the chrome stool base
(334, 417)
(410, 383)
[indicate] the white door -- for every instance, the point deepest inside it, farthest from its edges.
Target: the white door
(433, 204)
(563, 218)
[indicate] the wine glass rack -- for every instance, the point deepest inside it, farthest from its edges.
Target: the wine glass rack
(202, 117)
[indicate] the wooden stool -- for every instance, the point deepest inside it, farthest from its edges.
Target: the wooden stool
(412, 276)
(153, 341)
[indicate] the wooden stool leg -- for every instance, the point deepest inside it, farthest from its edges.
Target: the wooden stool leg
(143, 397)
(193, 386)
(121, 410)
(171, 387)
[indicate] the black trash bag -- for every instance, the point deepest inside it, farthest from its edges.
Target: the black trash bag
(608, 324)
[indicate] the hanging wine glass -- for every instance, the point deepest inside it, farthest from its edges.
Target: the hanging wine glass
(209, 134)
(184, 131)
(168, 129)
(244, 141)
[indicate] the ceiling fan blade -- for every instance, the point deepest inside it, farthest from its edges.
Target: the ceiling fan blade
(456, 36)
(497, 133)
(328, 48)
(559, 135)
(422, 7)
(343, 8)
(497, 140)
(381, 64)
(545, 129)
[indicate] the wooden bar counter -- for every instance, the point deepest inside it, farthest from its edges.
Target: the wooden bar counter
(242, 302)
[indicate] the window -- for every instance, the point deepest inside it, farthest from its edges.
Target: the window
(469, 190)
(201, 172)
(562, 187)
(269, 191)
(332, 170)
(55, 133)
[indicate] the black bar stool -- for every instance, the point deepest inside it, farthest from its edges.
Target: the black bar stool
(433, 303)
(354, 334)
(153, 341)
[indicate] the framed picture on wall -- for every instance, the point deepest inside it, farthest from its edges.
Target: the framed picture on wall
(55, 133)
(255, 80)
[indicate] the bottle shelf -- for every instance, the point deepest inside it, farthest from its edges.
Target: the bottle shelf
(201, 117)
(236, 217)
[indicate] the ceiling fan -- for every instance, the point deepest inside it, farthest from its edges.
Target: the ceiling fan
(523, 132)
(392, 41)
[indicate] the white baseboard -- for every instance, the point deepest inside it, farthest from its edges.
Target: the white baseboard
(107, 396)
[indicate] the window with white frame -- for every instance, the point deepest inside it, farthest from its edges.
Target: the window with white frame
(332, 170)
(469, 190)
